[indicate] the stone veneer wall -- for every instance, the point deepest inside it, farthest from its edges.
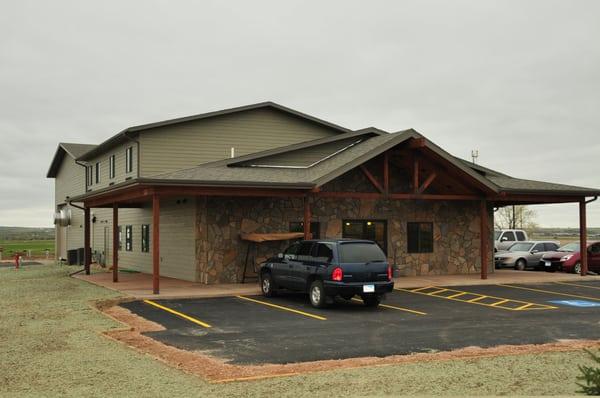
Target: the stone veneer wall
(221, 253)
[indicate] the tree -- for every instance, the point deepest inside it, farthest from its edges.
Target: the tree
(511, 217)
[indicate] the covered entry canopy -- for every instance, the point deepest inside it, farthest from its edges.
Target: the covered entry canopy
(398, 166)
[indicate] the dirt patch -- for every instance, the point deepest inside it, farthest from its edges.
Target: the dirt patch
(217, 371)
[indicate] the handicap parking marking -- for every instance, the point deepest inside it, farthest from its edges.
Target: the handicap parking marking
(550, 292)
(283, 308)
(478, 299)
(576, 303)
(177, 313)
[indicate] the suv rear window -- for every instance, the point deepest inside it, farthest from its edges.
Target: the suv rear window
(520, 235)
(361, 252)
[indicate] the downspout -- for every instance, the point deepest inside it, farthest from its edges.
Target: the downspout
(591, 200)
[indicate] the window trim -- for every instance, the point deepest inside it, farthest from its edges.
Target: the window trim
(364, 225)
(97, 172)
(419, 250)
(128, 238)
(111, 167)
(145, 241)
(129, 159)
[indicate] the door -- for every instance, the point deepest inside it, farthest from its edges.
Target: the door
(535, 254)
(297, 267)
(281, 272)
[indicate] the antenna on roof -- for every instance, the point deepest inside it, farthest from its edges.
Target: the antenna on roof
(474, 155)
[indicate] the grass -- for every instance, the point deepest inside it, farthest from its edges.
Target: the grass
(37, 247)
(50, 345)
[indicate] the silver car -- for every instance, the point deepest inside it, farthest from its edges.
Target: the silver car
(522, 255)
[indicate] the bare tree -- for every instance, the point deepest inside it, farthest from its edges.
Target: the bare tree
(511, 217)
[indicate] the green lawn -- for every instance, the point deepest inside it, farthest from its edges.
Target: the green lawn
(37, 247)
(50, 344)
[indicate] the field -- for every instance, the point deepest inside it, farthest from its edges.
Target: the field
(51, 345)
(38, 247)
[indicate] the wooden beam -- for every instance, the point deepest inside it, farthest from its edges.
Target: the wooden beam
(155, 243)
(115, 243)
(485, 238)
(427, 182)
(583, 237)
(307, 218)
(417, 143)
(386, 172)
(371, 178)
(87, 250)
(416, 174)
(399, 196)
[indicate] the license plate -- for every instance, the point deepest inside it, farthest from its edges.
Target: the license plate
(368, 288)
(547, 263)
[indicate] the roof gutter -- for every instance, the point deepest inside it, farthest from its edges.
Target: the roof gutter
(591, 200)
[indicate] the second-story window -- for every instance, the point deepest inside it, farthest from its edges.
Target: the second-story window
(97, 172)
(90, 175)
(129, 160)
(111, 166)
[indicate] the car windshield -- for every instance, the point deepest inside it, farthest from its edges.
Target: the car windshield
(569, 247)
(361, 252)
(496, 235)
(520, 247)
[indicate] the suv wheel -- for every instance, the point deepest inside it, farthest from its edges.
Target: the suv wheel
(520, 265)
(317, 294)
(371, 301)
(577, 268)
(266, 284)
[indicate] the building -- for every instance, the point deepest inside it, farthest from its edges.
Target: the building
(176, 196)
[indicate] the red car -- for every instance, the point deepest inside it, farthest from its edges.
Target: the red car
(567, 258)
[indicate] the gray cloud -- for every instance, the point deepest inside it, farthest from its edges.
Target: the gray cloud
(516, 80)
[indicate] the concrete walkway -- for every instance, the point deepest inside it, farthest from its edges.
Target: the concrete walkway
(139, 285)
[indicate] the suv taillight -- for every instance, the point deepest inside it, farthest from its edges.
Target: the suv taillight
(389, 272)
(337, 274)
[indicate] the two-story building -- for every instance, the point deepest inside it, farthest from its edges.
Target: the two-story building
(176, 197)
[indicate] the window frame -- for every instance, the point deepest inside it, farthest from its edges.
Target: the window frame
(420, 249)
(128, 238)
(120, 237)
(364, 223)
(111, 167)
(520, 235)
(97, 173)
(145, 241)
(89, 177)
(129, 159)
(505, 233)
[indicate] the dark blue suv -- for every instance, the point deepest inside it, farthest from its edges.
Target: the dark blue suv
(328, 268)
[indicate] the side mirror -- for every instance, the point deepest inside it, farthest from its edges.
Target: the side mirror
(535, 251)
(503, 239)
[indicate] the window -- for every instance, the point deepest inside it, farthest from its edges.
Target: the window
(375, 230)
(128, 238)
(304, 251)
(315, 228)
(129, 160)
(355, 252)
(290, 252)
(420, 237)
(120, 238)
(97, 172)
(90, 175)
(550, 247)
(145, 238)
(324, 253)
(520, 235)
(111, 166)
(538, 248)
(508, 236)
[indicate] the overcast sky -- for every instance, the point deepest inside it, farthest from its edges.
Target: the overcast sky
(517, 80)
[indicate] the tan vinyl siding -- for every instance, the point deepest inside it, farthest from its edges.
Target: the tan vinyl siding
(192, 143)
(177, 238)
(120, 173)
(69, 181)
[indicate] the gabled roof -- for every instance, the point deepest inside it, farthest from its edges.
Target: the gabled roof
(73, 150)
(122, 136)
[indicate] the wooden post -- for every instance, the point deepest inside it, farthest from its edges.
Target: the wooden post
(115, 245)
(155, 243)
(386, 173)
(485, 239)
(307, 217)
(583, 237)
(416, 174)
(87, 252)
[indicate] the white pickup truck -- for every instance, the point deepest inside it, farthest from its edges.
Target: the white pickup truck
(504, 238)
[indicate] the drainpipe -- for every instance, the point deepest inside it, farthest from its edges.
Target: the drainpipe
(591, 200)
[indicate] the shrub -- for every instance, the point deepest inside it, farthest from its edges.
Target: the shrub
(591, 377)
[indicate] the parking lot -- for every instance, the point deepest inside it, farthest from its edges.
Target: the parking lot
(286, 329)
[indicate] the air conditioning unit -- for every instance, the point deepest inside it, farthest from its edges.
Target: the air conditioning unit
(62, 218)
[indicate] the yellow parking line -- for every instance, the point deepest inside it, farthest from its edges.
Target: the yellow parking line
(179, 314)
(577, 284)
(476, 299)
(321, 318)
(551, 292)
(438, 291)
(500, 302)
(523, 307)
(421, 288)
(393, 307)
(457, 295)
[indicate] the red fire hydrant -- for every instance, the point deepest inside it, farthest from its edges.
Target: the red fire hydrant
(17, 260)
